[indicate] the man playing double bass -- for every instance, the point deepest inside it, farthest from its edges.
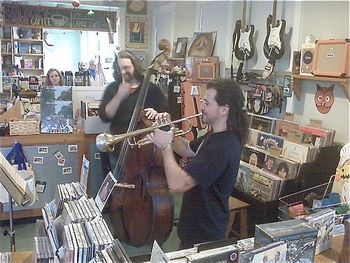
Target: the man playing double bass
(208, 177)
(119, 99)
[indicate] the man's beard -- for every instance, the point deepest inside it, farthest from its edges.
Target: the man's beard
(204, 118)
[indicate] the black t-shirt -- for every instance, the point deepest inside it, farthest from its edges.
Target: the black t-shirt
(120, 122)
(204, 212)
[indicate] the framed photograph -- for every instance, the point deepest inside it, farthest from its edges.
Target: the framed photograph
(180, 48)
(66, 170)
(136, 32)
(203, 44)
(97, 156)
(38, 160)
(40, 186)
(136, 7)
(72, 148)
(43, 149)
(61, 162)
(105, 190)
(58, 155)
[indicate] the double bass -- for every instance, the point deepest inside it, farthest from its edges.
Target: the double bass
(145, 213)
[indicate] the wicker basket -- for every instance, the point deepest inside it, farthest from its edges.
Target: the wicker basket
(24, 127)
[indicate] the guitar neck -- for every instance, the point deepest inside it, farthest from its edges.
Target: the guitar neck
(274, 11)
(244, 14)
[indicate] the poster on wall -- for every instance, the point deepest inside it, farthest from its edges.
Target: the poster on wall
(203, 44)
(56, 110)
(136, 32)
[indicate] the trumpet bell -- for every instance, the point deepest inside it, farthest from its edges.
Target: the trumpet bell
(101, 142)
(105, 141)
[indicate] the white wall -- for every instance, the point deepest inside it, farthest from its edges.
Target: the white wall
(162, 26)
(210, 21)
(338, 117)
(65, 52)
(325, 20)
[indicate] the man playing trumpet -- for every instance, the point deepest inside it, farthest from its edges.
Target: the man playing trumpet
(208, 177)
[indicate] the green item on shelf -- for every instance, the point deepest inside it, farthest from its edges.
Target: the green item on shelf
(342, 209)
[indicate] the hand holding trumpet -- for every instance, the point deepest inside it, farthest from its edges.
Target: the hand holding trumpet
(106, 141)
(162, 139)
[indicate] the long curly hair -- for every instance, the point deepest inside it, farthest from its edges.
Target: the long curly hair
(138, 74)
(229, 93)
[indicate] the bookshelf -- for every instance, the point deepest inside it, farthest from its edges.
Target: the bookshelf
(22, 52)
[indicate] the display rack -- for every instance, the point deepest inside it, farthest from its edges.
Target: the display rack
(294, 199)
(23, 48)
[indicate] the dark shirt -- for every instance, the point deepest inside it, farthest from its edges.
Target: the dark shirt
(204, 212)
(120, 122)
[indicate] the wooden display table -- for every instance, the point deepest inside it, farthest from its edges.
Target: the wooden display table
(22, 257)
(331, 255)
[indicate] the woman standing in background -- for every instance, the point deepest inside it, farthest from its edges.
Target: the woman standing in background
(54, 78)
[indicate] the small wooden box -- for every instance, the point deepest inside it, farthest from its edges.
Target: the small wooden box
(202, 69)
(331, 58)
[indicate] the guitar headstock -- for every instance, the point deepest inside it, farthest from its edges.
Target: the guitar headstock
(165, 47)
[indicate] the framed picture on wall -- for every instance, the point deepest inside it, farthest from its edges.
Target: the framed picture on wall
(136, 7)
(203, 44)
(180, 47)
(136, 32)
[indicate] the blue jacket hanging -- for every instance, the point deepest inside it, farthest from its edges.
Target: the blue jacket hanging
(16, 156)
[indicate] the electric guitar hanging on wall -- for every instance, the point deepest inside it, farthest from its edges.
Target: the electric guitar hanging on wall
(243, 46)
(273, 45)
(242, 41)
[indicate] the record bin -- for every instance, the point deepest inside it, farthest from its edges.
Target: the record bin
(288, 202)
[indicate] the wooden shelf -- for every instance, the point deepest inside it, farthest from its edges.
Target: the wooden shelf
(297, 83)
(38, 69)
(23, 48)
(29, 54)
(28, 93)
(27, 40)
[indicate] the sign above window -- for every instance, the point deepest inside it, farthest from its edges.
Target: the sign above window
(53, 17)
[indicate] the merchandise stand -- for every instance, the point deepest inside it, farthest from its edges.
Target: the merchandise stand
(17, 190)
(11, 233)
(294, 199)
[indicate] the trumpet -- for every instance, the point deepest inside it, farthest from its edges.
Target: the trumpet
(106, 141)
